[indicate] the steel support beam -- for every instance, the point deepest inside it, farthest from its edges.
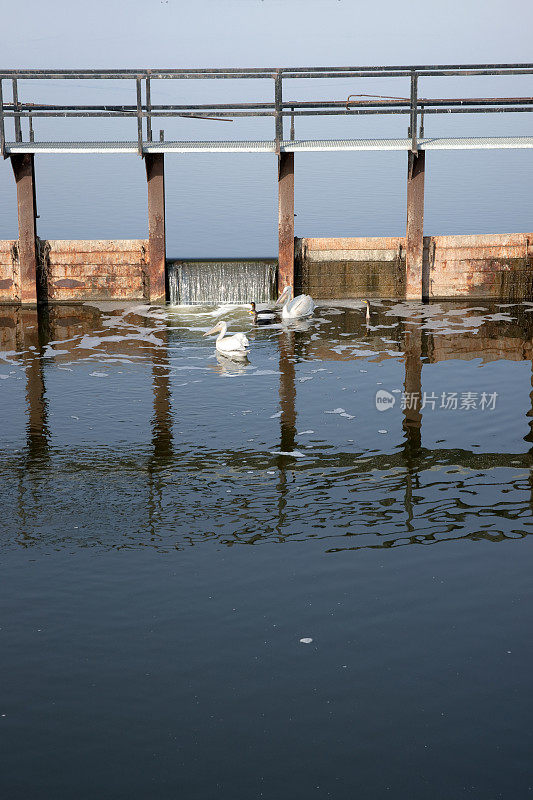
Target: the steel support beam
(24, 171)
(155, 176)
(286, 220)
(416, 280)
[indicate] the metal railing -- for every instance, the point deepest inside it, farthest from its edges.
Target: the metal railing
(413, 105)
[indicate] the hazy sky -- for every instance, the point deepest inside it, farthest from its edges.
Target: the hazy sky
(116, 33)
(227, 205)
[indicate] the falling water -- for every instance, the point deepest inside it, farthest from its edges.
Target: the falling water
(200, 282)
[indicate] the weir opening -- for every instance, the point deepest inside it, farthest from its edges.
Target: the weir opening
(221, 281)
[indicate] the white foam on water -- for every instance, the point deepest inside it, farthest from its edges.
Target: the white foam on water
(293, 453)
(92, 342)
(363, 353)
(50, 352)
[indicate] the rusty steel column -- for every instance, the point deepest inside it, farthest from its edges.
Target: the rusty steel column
(155, 176)
(23, 169)
(286, 220)
(415, 286)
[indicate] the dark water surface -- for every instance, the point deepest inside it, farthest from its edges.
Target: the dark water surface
(173, 526)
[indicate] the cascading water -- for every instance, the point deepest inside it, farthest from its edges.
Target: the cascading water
(207, 282)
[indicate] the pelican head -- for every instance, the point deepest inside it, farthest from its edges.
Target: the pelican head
(285, 296)
(220, 327)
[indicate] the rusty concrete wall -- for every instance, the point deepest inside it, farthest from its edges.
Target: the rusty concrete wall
(496, 266)
(9, 272)
(106, 269)
(489, 266)
(362, 267)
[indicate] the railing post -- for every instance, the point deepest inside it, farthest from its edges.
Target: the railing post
(416, 277)
(18, 129)
(155, 176)
(278, 100)
(2, 128)
(139, 118)
(414, 100)
(23, 169)
(286, 220)
(148, 111)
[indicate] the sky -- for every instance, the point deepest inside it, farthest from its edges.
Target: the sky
(227, 205)
(179, 33)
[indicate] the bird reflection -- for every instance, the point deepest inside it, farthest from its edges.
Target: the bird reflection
(299, 325)
(229, 366)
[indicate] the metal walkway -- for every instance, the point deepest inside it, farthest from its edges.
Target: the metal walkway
(287, 146)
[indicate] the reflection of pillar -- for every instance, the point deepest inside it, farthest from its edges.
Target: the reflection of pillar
(161, 429)
(287, 401)
(415, 281)
(286, 220)
(37, 431)
(412, 419)
(529, 413)
(287, 391)
(162, 417)
(529, 436)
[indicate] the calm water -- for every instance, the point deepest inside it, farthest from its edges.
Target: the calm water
(173, 526)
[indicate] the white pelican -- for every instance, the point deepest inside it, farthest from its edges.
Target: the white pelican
(300, 306)
(229, 346)
(266, 316)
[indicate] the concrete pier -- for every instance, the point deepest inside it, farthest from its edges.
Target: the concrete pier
(24, 171)
(155, 176)
(286, 220)
(416, 283)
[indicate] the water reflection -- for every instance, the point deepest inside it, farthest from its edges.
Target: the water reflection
(132, 439)
(229, 366)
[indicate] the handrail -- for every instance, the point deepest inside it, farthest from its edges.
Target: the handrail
(366, 104)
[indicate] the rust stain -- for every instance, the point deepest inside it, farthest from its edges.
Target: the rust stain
(67, 283)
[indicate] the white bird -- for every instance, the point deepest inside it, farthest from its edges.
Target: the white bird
(367, 311)
(229, 346)
(300, 306)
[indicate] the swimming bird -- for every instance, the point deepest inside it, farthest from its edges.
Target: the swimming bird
(367, 310)
(266, 316)
(300, 306)
(230, 346)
